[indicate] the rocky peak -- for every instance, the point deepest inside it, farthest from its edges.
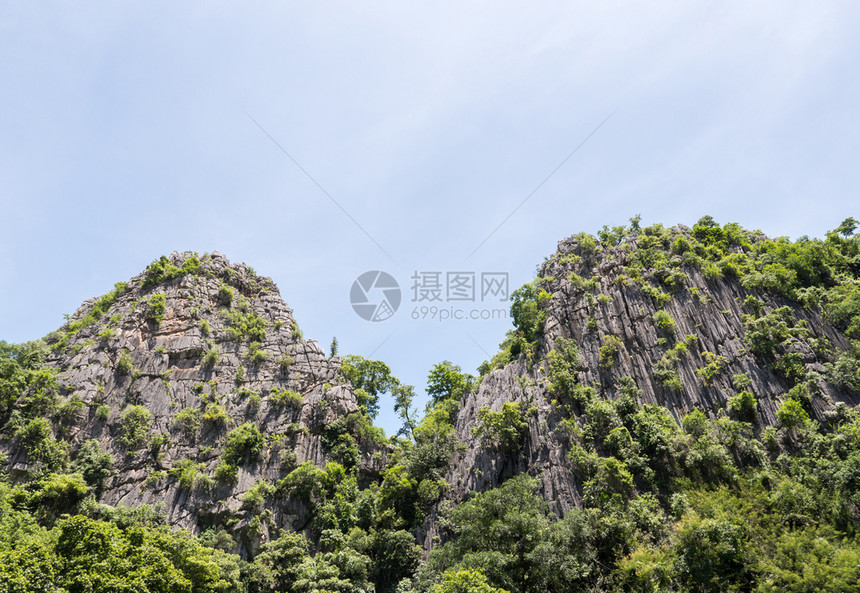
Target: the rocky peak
(659, 314)
(196, 379)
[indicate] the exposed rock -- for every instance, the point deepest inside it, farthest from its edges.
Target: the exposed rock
(200, 358)
(211, 349)
(708, 316)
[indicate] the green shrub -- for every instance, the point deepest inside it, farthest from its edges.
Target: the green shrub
(773, 277)
(801, 393)
(842, 308)
(187, 473)
(714, 552)
(736, 265)
(611, 478)
(844, 373)
(188, 420)
(285, 362)
(244, 443)
(256, 355)
(528, 310)
(660, 298)
(369, 380)
(664, 322)
(124, 366)
(667, 373)
(714, 364)
(70, 410)
(743, 405)
(767, 332)
(307, 482)
(587, 244)
(34, 433)
(255, 497)
(226, 472)
(612, 237)
(134, 426)
(609, 350)
(790, 365)
(711, 271)
(244, 324)
(620, 443)
(98, 309)
(504, 430)
(93, 463)
(287, 460)
(741, 381)
(708, 232)
(156, 443)
(225, 296)
(215, 414)
(465, 580)
(205, 328)
(602, 419)
(156, 308)
(162, 270)
(210, 359)
(563, 363)
(286, 397)
(681, 245)
(791, 414)
(102, 412)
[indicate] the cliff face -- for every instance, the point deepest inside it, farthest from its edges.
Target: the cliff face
(197, 382)
(685, 401)
(174, 373)
(686, 339)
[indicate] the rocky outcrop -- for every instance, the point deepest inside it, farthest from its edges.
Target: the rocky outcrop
(196, 379)
(197, 351)
(594, 299)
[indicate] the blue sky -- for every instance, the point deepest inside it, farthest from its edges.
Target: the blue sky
(126, 133)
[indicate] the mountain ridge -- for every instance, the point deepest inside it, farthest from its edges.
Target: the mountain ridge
(649, 370)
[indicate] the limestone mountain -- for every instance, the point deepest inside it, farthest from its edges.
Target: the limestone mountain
(675, 321)
(195, 378)
(675, 409)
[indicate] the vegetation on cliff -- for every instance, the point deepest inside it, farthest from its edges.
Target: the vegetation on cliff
(718, 458)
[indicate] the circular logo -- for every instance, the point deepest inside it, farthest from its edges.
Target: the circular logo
(375, 295)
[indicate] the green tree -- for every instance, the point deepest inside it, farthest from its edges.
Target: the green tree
(499, 531)
(403, 396)
(448, 382)
(467, 580)
(370, 379)
(713, 555)
(528, 310)
(847, 227)
(135, 426)
(277, 566)
(504, 429)
(244, 443)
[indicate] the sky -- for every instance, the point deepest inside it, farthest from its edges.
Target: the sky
(317, 141)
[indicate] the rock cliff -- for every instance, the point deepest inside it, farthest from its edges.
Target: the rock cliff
(195, 377)
(688, 334)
